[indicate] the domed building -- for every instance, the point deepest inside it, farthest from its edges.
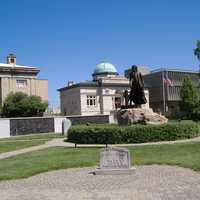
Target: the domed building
(104, 69)
(101, 95)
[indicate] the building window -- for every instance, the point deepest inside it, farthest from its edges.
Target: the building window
(91, 100)
(21, 83)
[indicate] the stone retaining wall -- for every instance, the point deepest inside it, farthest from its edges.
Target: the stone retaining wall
(30, 125)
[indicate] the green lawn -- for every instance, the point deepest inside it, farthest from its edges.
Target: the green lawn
(16, 145)
(185, 155)
(33, 136)
(20, 142)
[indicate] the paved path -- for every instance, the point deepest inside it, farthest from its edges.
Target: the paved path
(148, 183)
(60, 143)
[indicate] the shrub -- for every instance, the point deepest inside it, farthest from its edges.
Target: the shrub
(165, 132)
(95, 134)
(110, 134)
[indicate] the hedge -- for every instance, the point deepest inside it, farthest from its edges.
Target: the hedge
(114, 134)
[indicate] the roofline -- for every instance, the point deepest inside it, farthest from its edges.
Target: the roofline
(16, 66)
(16, 70)
(78, 85)
(173, 70)
(94, 85)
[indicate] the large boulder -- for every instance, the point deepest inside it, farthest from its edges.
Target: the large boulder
(139, 115)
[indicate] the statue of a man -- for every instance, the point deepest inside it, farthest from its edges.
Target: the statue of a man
(137, 95)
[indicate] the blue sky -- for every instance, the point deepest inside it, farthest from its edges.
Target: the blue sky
(67, 38)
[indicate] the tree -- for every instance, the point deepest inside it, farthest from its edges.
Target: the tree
(35, 106)
(189, 98)
(20, 104)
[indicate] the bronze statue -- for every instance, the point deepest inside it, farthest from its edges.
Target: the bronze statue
(137, 95)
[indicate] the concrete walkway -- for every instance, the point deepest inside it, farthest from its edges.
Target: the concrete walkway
(60, 143)
(147, 183)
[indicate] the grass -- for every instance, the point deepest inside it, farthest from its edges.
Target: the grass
(183, 155)
(45, 160)
(20, 142)
(22, 166)
(16, 145)
(38, 136)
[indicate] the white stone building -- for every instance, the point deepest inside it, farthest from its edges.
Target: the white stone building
(99, 96)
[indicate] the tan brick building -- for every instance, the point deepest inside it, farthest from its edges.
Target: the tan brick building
(15, 78)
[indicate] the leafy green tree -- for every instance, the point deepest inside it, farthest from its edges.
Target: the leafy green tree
(35, 106)
(20, 104)
(189, 98)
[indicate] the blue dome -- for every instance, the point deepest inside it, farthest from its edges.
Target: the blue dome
(105, 68)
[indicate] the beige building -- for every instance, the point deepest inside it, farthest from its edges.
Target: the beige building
(99, 96)
(15, 78)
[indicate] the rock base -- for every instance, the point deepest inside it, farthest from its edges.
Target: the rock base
(139, 116)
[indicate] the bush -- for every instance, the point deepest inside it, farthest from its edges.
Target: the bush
(95, 134)
(113, 134)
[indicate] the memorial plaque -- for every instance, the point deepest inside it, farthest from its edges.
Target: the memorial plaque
(114, 161)
(112, 158)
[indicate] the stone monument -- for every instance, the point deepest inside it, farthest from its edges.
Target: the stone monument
(132, 112)
(66, 124)
(114, 161)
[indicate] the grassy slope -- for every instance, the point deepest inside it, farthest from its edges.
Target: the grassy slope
(185, 155)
